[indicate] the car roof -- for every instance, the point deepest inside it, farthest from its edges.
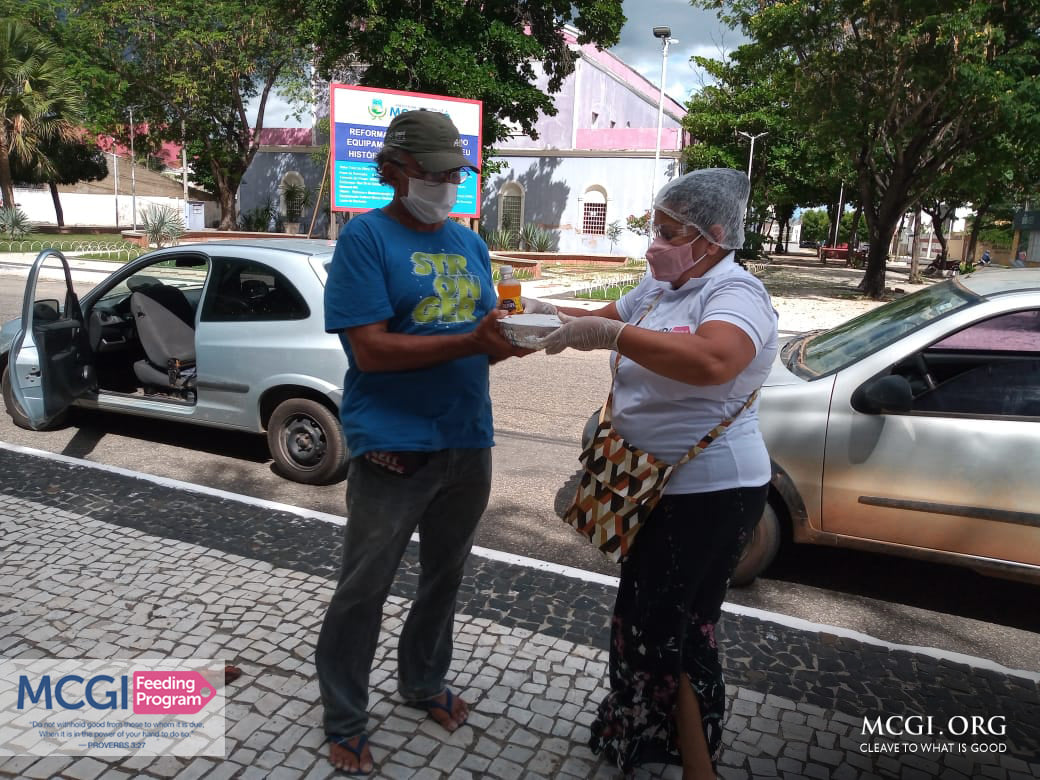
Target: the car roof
(303, 246)
(998, 281)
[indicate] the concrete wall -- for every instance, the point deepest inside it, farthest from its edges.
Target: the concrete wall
(554, 190)
(80, 209)
(598, 110)
(266, 173)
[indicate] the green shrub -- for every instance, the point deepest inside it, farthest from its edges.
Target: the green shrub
(162, 224)
(502, 239)
(535, 238)
(14, 223)
(258, 219)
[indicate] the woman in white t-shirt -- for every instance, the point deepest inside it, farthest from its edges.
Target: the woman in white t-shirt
(705, 340)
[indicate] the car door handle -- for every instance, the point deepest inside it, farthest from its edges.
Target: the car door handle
(33, 372)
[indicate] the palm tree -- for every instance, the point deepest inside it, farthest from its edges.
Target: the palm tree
(38, 100)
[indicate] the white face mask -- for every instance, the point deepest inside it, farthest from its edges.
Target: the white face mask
(430, 203)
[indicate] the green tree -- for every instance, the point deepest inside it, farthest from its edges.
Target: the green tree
(815, 225)
(900, 90)
(745, 95)
(483, 51)
(62, 161)
(38, 102)
(190, 70)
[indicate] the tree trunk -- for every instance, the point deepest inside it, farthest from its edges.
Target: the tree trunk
(59, 216)
(6, 185)
(915, 249)
(976, 227)
(227, 185)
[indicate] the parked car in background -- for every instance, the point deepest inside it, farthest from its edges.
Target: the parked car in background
(913, 429)
(227, 334)
(808, 243)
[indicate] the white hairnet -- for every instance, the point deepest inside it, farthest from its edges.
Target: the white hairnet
(710, 196)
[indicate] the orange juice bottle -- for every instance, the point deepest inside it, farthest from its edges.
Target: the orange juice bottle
(509, 291)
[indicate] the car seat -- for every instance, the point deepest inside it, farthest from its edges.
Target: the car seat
(165, 324)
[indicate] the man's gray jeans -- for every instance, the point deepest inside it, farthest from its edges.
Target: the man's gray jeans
(444, 500)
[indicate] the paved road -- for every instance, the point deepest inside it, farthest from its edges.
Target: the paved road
(541, 404)
(104, 565)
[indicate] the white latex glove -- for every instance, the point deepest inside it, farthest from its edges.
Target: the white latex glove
(535, 306)
(583, 333)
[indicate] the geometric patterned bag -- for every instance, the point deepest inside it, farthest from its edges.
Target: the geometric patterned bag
(621, 484)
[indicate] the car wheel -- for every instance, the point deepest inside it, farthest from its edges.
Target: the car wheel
(306, 442)
(760, 550)
(18, 416)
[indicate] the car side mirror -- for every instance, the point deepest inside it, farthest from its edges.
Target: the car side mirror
(46, 310)
(891, 393)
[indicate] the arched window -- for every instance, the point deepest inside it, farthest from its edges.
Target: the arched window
(292, 196)
(511, 207)
(594, 211)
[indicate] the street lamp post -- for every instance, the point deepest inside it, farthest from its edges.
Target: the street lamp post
(133, 171)
(750, 160)
(665, 34)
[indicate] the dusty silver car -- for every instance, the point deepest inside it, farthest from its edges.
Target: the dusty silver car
(228, 334)
(913, 429)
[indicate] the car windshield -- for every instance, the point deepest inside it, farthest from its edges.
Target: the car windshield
(828, 351)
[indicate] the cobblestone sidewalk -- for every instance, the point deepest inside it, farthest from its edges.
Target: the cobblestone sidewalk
(100, 564)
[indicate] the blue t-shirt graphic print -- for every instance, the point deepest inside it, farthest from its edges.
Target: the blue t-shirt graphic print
(420, 283)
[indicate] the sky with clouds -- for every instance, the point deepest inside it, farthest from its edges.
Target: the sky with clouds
(699, 32)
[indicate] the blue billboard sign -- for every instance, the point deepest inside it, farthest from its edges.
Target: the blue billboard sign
(360, 116)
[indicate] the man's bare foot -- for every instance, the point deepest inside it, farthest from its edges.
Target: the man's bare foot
(447, 710)
(351, 754)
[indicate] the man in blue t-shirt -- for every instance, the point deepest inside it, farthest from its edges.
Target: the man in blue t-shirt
(410, 294)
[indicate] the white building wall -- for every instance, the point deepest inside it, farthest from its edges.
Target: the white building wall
(90, 210)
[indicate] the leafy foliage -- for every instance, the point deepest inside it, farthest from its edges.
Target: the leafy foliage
(512, 56)
(898, 91)
(189, 70)
(14, 223)
(640, 224)
(257, 219)
(535, 238)
(38, 100)
(162, 224)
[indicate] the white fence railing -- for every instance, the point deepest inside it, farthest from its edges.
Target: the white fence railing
(108, 250)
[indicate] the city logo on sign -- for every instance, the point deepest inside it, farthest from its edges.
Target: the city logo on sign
(376, 109)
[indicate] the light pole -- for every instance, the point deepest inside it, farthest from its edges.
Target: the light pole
(133, 171)
(665, 34)
(750, 160)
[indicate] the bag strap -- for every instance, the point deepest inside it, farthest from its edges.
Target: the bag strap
(709, 437)
(604, 412)
(715, 432)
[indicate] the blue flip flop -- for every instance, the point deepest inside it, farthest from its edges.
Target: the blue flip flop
(344, 742)
(431, 704)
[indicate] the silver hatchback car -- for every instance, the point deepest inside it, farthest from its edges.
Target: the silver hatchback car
(228, 334)
(913, 429)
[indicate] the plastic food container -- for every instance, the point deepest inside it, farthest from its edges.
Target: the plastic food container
(523, 330)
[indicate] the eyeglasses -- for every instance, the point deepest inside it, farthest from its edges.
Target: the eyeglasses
(670, 233)
(454, 176)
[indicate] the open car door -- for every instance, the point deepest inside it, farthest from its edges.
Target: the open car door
(51, 363)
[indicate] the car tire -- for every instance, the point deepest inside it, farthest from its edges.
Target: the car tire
(18, 416)
(760, 550)
(306, 442)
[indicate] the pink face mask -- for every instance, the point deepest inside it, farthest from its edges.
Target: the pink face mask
(667, 262)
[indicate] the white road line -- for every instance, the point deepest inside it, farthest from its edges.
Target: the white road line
(533, 563)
